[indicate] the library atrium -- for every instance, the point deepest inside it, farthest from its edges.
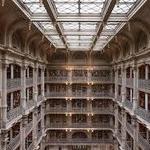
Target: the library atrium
(74, 74)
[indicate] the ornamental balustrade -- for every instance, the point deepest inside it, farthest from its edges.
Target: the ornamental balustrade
(56, 79)
(30, 147)
(79, 94)
(97, 110)
(119, 136)
(103, 110)
(55, 109)
(120, 80)
(79, 79)
(103, 94)
(119, 117)
(56, 94)
(143, 113)
(129, 82)
(39, 98)
(102, 79)
(144, 84)
(14, 113)
(80, 125)
(130, 128)
(39, 79)
(14, 142)
(30, 104)
(128, 104)
(29, 81)
(78, 141)
(39, 134)
(13, 83)
(143, 142)
(28, 127)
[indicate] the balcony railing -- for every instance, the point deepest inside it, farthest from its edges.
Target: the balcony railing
(144, 84)
(39, 134)
(79, 94)
(78, 109)
(119, 136)
(101, 79)
(77, 141)
(129, 82)
(39, 98)
(57, 125)
(102, 94)
(130, 128)
(29, 81)
(14, 113)
(39, 79)
(38, 116)
(119, 98)
(103, 110)
(13, 83)
(56, 94)
(30, 147)
(28, 127)
(119, 117)
(56, 79)
(30, 104)
(128, 104)
(143, 113)
(13, 143)
(143, 142)
(80, 125)
(78, 79)
(97, 110)
(120, 80)
(56, 109)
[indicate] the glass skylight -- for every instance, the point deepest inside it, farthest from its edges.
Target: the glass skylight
(78, 21)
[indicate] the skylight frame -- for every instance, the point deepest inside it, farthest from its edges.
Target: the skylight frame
(120, 18)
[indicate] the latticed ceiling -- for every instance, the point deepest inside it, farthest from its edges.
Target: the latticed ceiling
(80, 24)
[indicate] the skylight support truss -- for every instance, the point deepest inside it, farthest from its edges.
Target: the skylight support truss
(107, 12)
(80, 24)
(51, 12)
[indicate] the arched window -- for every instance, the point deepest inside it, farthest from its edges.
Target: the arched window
(16, 40)
(142, 41)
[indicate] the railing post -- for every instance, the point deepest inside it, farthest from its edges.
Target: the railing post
(35, 127)
(42, 84)
(23, 88)
(123, 91)
(123, 130)
(135, 132)
(3, 95)
(22, 132)
(35, 80)
(135, 87)
(3, 139)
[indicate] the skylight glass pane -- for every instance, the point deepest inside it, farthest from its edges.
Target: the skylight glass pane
(67, 8)
(123, 6)
(66, 1)
(70, 25)
(47, 26)
(72, 37)
(91, 8)
(34, 6)
(88, 26)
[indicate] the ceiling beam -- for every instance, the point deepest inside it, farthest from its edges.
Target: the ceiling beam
(106, 13)
(83, 18)
(131, 14)
(49, 7)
